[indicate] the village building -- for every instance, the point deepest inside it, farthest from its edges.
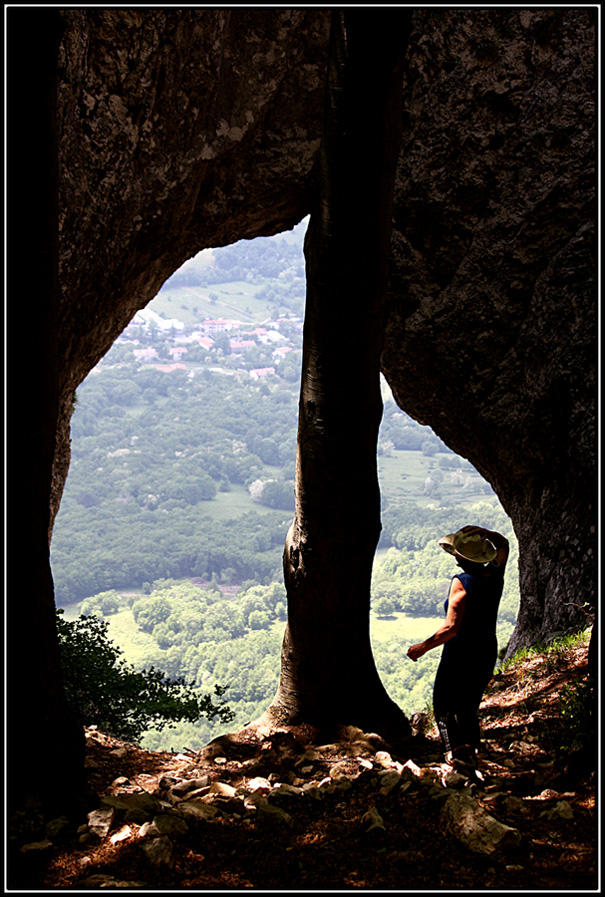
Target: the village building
(219, 326)
(177, 352)
(148, 354)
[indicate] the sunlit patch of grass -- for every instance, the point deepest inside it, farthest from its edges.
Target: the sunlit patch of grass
(558, 646)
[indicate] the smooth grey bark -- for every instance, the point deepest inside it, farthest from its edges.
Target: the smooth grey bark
(328, 673)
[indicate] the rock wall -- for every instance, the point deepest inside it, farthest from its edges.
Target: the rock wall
(491, 336)
(182, 129)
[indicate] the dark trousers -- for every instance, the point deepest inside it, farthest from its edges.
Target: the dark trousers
(457, 692)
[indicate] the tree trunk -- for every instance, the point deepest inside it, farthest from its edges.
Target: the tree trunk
(328, 673)
(45, 743)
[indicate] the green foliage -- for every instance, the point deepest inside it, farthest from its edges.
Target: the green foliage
(187, 477)
(102, 605)
(577, 705)
(552, 649)
(108, 692)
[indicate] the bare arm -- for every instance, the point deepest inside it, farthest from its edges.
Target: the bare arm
(455, 613)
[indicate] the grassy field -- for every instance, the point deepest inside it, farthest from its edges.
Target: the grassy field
(403, 475)
(223, 300)
(383, 629)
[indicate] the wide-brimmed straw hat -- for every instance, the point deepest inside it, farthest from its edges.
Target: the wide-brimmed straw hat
(469, 547)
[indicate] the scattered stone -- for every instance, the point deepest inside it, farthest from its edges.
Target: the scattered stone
(89, 763)
(119, 753)
(187, 785)
(513, 867)
(258, 784)
(514, 804)
(366, 764)
(220, 761)
(170, 826)
(197, 792)
(306, 770)
(159, 852)
(340, 768)
(133, 806)
(223, 789)
(561, 810)
(122, 834)
(271, 813)
(286, 791)
(198, 809)
(37, 847)
(438, 793)
(453, 779)
(121, 780)
(390, 782)
(475, 828)
(108, 881)
(373, 821)
(100, 821)
(384, 758)
(313, 754)
(413, 768)
(343, 784)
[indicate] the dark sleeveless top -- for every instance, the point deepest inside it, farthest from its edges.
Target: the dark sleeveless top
(476, 637)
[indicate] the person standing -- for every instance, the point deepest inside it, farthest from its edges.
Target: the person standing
(468, 636)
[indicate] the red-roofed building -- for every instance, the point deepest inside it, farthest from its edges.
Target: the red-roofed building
(282, 351)
(240, 344)
(177, 352)
(261, 373)
(145, 354)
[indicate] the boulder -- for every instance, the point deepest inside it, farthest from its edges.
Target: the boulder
(100, 821)
(473, 826)
(133, 806)
(159, 852)
(268, 812)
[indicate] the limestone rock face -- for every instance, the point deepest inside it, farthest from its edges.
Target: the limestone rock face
(492, 326)
(187, 128)
(179, 130)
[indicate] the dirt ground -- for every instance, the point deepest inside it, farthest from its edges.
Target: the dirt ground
(548, 795)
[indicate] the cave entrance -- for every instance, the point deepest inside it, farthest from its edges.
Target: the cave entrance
(181, 490)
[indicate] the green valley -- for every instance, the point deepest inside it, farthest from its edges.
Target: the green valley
(181, 491)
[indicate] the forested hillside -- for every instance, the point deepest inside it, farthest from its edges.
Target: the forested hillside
(181, 492)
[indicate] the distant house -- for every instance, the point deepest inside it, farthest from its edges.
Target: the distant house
(282, 352)
(205, 342)
(261, 373)
(177, 352)
(271, 336)
(145, 354)
(239, 345)
(219, 326)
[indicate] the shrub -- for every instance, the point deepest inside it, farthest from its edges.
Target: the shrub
(577, 706)
(107, 692)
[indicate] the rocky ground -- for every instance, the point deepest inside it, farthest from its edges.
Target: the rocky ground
(283, 811)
